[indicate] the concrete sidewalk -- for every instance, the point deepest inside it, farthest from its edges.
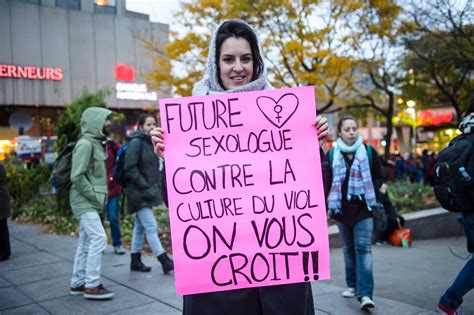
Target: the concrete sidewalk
(35, 280)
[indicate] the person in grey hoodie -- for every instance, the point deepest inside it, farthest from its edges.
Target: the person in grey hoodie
(87, 197)
(143, 178)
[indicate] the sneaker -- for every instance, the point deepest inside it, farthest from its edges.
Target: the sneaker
(98, 293)
(118, 250)
(349, 293)
(450, 311)
(382, 243)
(78, 290)
(366, 303)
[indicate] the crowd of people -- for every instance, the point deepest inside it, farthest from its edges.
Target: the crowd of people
(353, 176)
(408, 166)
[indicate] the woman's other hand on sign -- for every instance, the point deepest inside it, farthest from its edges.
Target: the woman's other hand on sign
(157, 139)
(322, 126)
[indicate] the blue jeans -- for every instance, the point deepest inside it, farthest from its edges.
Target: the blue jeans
(113, 215)
(358, 256)
(145, 222)
(464, 282)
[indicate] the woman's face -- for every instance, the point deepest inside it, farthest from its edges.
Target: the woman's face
(235, 62)
(348, 131)
(149, 124)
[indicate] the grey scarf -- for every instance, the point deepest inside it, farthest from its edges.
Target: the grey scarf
(210, 83)
(467, 124)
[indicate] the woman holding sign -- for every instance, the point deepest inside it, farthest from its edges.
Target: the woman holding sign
(235, 64)
(356, 180)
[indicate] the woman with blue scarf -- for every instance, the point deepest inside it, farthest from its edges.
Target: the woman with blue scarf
(356, 179)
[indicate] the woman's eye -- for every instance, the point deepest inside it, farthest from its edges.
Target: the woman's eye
(227, 60)
(246, 59)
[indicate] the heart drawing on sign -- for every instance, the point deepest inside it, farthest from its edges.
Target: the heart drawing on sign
(278, 112)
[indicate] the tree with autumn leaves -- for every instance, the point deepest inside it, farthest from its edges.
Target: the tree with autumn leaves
(353, 52)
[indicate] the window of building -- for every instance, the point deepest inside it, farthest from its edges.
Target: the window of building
(30, 1)
(69, 4)
(109, 3)
(105, 6)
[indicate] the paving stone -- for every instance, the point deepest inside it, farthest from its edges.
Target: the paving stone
(12, 297)
(25, 310)
(40, 272)
(4, 282)
(124, 298)
(121, 272)
(336, 304)
(31, 259)
(322, 288)
(159, 286)
(153, 308)
(53, 288)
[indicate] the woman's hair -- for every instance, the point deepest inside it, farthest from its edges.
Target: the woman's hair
(239, 29)
(142, 118)
(342, 120)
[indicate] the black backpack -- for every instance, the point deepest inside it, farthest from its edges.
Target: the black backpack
(119, 175)
(454, 175)
(61, 174)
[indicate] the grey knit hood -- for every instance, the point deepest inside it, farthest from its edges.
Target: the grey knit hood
(210, 83)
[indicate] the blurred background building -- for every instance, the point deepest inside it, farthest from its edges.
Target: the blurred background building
(51, 50)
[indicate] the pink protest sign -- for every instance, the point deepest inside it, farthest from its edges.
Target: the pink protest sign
(245, 190)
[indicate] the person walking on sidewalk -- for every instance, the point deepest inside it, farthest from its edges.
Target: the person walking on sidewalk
(88, 197)
(142, 169)
(4, 214)
(356, 179)
(450, 302)
(115, 191)
(235, 64)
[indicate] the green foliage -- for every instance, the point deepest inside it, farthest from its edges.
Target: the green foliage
(26, 184)
(409, 197)
(44, 211)
(68, 127)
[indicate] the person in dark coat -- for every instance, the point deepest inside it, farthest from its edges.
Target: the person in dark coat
(231, 72)
(356, 180)
(4, 214)
(142, 169)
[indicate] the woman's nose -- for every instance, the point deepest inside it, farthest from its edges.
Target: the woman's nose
(238, 66)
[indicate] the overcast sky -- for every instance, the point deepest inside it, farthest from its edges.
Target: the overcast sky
(158, 10)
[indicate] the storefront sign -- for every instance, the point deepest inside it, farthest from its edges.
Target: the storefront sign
(134, 91)
(31, 72)
(433, 117)
(28, 147)
(124, 73)
(245, 190)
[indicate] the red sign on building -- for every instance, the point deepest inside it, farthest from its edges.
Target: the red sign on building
(31, 72)
(124, 73)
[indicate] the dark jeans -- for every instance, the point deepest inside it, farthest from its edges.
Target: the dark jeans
(113, 215)
(464, 282)
(357, 248)
(4, 240)
(294, 299)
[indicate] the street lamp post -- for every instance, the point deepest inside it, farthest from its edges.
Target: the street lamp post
(412, 111)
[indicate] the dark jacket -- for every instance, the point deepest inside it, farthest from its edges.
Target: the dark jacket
(111, 149)
(142, 169)
(4, 195)
(355, 210)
